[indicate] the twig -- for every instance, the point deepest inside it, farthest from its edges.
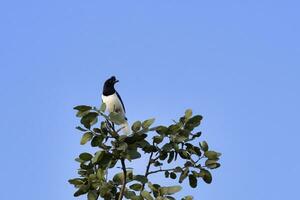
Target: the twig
(160, 170)
(147, 169)
(113, 132)
(198, 159)
(163, 170)
(124, 179)
(148, 166)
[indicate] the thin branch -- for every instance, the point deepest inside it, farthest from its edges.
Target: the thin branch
(147, 169)
(113, 132)
(124, 179)
(161, 170)
(148, 166)
(199, 159)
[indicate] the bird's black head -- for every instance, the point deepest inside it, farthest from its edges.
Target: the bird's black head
(109, 86)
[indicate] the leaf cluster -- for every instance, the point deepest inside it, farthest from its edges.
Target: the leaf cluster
(164, 145)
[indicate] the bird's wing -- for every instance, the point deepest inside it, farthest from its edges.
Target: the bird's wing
(121, 101)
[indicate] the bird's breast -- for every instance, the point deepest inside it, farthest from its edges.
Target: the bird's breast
(113, 104)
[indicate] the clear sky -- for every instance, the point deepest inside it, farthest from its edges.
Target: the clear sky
(235, 62)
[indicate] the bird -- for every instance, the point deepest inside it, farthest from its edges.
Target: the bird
(113, 101)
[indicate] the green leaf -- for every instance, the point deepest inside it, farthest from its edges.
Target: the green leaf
(162, 130)
(143, 144)
(178, 169)
(137, 198)
(134, 138)
(98, 156)
(171, 156)
(129, 194)
(179, 138)
(89, 119)
(163, 155)
(85, 156)
(86, 137)
(101, 174)
(105, 160)
(188, 198)
(158, 139)
(103, 107)
(147, 123)
(197, 151)
(117, 118)
(133, 154)
(176, 147)
(118, 178)
(97, 140)
(188, 114)
(204, 146)
(173, 175)
(82, 108)
(212, 164)
(136, 126)
(122, 146)
(92, 195)
(122, 138)
(169, 190)
(188, 164)
(140, 178)
(167, 174)
(169, 198)
(184, 154)
(193, 122)
(79, 160)
(86, 167)
(167, 147)
(192, 181)
(212, 155)
(174, 128)
(146, 195)
(82, 190)
(183, 175)
(153, 187)
(80, 128)
(136, 187)
(206, 176)
(81, 114)
(196, 135)
(76, 181)
(105, 190)
(97, 130)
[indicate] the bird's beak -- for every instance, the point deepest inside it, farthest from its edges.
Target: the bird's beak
(116, 81)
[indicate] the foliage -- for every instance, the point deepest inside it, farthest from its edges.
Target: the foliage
(168, 145)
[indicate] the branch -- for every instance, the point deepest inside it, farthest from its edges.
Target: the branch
(113, 132)
(164, 170)
(161, 170)
(148, 166)
(147, 169)
(198, 159)
(124, 179)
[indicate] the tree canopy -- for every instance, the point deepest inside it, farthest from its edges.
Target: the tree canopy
(163, 146)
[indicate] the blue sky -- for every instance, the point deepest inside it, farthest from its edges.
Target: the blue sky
(235, 62)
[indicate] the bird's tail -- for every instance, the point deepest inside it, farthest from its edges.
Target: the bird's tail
(126, 128)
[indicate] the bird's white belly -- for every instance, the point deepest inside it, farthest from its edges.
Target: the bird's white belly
(113, 104)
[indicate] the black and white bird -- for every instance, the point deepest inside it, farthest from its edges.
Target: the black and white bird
(113, 101)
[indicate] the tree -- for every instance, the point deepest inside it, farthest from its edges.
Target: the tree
(164, 145)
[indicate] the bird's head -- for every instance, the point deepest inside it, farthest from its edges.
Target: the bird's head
(111, 81)
(109, 85)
